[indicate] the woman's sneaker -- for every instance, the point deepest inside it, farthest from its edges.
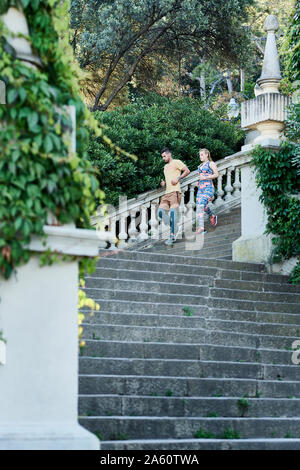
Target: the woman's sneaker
(213, 220)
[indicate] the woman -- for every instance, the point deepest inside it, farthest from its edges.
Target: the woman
(208, 171)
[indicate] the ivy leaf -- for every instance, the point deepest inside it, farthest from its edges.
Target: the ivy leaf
(18, 223)
(25, 3)
(13, 113)
(32, 119)
(51, 185)
(38, 139)
(22, 94)
(12, 95)
(24, 112)
(48, 145)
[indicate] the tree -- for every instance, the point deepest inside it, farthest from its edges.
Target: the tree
(113, 38)
(206, 78)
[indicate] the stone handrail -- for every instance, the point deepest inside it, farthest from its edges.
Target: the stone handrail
(142, 211)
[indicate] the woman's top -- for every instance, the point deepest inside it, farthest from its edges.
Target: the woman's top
(205, 170)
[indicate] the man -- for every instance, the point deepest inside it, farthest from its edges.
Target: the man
(171, 199)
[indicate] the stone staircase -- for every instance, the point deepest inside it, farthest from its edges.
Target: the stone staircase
(218, 240)
(190, 350)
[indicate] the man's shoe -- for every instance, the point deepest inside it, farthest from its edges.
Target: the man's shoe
(170, 241)
(213, 220)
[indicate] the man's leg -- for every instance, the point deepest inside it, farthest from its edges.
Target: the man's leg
(163, 215)
(173, 222)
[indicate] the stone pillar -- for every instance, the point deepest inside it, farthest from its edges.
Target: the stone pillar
(253, 245)
(264, 117)
(39, 322)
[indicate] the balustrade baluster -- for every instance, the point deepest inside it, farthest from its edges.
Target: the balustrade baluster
(237, 183)
(112, 229)
(132, 230)
(123, 229)
(220, 193)
(154, 220)
(228, 187)
(144, 223)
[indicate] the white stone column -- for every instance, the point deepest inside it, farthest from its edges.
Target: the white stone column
(39, 321)
(253, 245)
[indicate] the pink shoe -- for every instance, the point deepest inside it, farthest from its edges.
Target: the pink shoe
(213, 220)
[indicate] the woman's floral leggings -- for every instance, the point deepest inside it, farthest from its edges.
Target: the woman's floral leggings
(204, 196)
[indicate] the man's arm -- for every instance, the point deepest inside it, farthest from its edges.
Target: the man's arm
(186, 172)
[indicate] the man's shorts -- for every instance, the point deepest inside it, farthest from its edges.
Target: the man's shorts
(170, 200)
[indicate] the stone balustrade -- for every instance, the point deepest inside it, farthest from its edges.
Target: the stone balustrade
(265, 107)
(136, 219)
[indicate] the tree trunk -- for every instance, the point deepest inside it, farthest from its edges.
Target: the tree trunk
(228, 81)
(242, 80)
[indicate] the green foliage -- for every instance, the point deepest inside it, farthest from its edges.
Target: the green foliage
(244, 405)
(295, 275)
(277, 178)
(38, 172)
(115, 38)
(291, 46)
(144, 128)
(227, 434)
(84, 301)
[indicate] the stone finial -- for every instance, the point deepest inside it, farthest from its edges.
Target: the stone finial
(270, 76)
(271, 23)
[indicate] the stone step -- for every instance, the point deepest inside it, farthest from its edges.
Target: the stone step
(97, 286)
(229, 293)
(133, 427)
(200, 444)
(110, 263)
(134, 349)
(115, 306)
(149, 296)
(184, 335)
(148, 276)
(188, 320)
(256, 286)
(181, 247)
(165, 259)
(108, 405)
(219, 255)
(260, 306)
(247, 279)
(141, 300)
(212, 249)
(190, 368)
(187, 386)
